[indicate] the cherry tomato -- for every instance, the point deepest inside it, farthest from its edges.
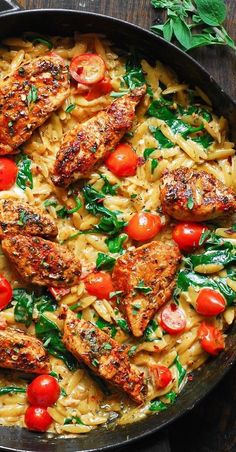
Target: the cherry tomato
(122, 161)
(210, 302)
(143, 226)
(59, 292)
(5, 292)
(99, 284)
(43, 391)
(211, 338)
(173, 319)
(88, 68)
(37, 418)
(187, 235)
(162, 375)
(8, 173)
(100, 89)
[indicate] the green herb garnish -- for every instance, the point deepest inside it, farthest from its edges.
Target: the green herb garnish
(105, 262)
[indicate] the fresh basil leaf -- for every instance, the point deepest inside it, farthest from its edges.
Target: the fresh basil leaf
(102, 324)
(105, 262)
(182, 32)
(24, 176)
(167, 30)
(48, 332)
(180, 369)
(11, 390)
(212, 12)
(70, 108)
(115, 245)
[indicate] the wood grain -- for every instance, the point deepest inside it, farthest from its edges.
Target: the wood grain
(210, 427)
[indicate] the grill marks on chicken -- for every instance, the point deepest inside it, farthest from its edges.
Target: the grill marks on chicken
(42, 262)
(192, 195)
(146, 277)
(28, 97)
(85, 145)
(19, 351)
(17, 217)
(106, 357)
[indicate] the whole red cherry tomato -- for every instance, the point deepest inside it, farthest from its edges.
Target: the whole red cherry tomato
(37, 418)
(123, 161)
(188, 235)
(210, 302)
(143, 226)
(5, 292)
(8, 173)
(99, 284)
(43, 391)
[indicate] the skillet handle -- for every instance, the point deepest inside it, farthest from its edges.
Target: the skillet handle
(7, 6)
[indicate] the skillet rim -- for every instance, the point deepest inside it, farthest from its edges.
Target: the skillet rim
(150, 429)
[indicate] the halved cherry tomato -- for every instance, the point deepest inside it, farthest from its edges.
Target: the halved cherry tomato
(59, 292)
(43, 391)
(5, 292)
(100, 89)
(123, 161)
(173, 319)
(143, 226)
(211, 338)
(210, 302)
(162, 375)
(8, 173)
(187, 235)
(87, 68)
(99, 284)
(37, 418)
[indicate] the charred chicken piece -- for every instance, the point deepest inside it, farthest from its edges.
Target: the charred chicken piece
(146, 278)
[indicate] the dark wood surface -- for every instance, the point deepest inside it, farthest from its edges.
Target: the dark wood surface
(210, 427)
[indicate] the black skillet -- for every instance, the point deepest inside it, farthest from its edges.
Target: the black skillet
(64, 22)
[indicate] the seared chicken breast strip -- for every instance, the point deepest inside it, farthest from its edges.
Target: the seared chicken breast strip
(87, 144)
(190, 195)
(146, 278)
(19, 351)
(28, 97)
(106, 357)
(42, 262)
(17, 217)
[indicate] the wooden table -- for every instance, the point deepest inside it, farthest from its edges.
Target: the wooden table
(211, 427)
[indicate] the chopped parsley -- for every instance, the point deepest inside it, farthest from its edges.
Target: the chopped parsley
(70, 108)
(142, 288)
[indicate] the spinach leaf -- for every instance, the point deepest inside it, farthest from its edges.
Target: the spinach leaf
(109, 223)
(123, 325)
(70, 108)
(11, 389)
(105, 262)
(222, 257)
(148, 152)
(115, 245)
(164, 143)
(50, 334)
(35, 38)
(160, 109)
(154, 165)
(134, 76)
(180, 369)
(102, 324)
(157, 405)
(108, 189)
(27, 302)
(73, 420)
(24, 176)
(187, 278)
(150, 330)
(204, 140)
(64, 212)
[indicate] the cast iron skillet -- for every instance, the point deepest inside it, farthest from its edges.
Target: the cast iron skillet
(64, 22)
